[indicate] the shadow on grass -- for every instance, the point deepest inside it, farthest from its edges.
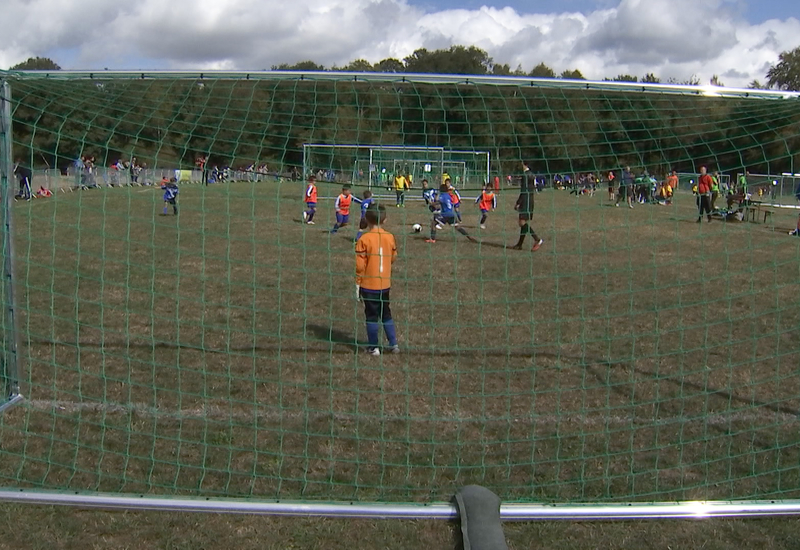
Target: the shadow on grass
(345, 343)
(681, 382)
(494, 245)
(335, 337)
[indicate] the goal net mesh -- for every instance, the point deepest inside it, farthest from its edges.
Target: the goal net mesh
(637, 355)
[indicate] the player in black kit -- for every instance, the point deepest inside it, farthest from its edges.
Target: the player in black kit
(524, 207)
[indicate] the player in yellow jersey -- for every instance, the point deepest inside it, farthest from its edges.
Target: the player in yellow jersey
(446, 178)
(400, 186)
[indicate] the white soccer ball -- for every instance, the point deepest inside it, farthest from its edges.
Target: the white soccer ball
(417, 228)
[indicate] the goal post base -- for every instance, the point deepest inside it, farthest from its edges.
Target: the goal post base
(445, 511)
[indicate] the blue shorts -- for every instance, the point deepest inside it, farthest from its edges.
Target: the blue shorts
(342, 218)
(311, 204)
(484, 211)
(449, 220)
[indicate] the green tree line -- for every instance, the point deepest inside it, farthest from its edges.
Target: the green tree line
(785, 75)
(169, 122)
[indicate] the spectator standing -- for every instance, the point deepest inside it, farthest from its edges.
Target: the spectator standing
(201, 162)
(610, 177)
(742, 183)
(704, 186)
(626, 187)
(24, 175)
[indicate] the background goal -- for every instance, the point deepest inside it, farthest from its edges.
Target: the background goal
(376, 165)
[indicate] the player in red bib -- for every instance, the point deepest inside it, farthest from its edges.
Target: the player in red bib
(342, 206)
(486, 201)
(311, 201)
(456, 198)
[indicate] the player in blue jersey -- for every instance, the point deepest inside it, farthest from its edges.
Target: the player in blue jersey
(171, 191)
(446, 215)
(365, 204)
(429, 195)
(455, 197)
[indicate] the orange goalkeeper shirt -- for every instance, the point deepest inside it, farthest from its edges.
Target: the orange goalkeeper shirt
(376, 251)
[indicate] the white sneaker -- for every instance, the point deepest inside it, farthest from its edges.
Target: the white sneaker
(311, 223)
(375, 352)
(483, 227)
(439, 227)
(630, 206)
(395, 349)
(305, 216)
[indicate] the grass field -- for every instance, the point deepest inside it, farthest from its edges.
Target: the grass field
(636, 356)
(73, 529)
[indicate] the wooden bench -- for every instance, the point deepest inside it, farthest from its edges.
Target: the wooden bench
(753, 212)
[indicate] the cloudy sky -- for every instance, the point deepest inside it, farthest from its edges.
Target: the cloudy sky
(736, 39)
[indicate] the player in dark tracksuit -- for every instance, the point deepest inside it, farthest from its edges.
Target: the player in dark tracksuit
(24, 174)
(524, 208)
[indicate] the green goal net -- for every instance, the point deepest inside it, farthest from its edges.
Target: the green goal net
(217, 348)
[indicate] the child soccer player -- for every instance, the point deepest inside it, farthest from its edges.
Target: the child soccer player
(446, 215)
(366, 202)
(170, 188)
(456, 199)
(310, 200)
(400, 186)
(429, 195)
(342, 207)
(376, 251)
(486, 202)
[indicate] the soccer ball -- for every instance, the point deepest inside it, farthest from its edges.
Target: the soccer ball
(417, 228)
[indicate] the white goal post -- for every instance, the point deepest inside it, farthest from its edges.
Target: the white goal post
(376, 165)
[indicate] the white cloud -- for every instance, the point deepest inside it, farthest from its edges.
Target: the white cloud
(672, 38)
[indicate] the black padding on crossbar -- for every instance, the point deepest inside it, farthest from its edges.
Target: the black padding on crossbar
(479, 510)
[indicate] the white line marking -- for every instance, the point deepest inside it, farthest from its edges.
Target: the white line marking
(217, 413)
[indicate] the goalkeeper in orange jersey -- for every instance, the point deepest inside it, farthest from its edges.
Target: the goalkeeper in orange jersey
(487, 202)
(376, 252)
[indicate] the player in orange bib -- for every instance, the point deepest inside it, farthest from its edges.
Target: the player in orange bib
(310, 200)
(487, 201)
(342, 206)
(456, 199)
(376, 251)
